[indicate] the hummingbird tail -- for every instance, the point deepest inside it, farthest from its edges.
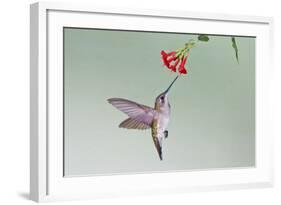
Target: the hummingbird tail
(160, 155)
(158, 146)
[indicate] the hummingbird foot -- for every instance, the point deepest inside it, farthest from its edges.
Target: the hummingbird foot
(166, 134)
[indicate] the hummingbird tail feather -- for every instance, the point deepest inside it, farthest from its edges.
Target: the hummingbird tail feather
(160, 155)
(158, 146)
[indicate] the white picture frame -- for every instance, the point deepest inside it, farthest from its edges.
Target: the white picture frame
(46, 157)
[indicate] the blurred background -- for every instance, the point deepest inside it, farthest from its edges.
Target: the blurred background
(212, 121)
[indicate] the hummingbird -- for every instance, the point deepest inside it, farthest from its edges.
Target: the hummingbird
(144, 117)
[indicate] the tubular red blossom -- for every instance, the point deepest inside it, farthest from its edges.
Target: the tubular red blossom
(172, 58)
(182, 69)
(174, 67)
(175, 61)
(165, 57)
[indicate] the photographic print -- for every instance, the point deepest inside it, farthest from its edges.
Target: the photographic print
(143, 101)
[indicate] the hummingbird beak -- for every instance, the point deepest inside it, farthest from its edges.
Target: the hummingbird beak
(166, 91)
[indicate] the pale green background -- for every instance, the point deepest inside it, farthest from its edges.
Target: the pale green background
(213, 107)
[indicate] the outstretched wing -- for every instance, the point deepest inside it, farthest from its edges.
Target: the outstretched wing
(136, 111)
(133, 124)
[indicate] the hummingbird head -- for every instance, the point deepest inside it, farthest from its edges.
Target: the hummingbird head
(162, 99)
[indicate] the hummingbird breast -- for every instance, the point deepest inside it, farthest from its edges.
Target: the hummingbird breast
(163, 121)
(160, 123)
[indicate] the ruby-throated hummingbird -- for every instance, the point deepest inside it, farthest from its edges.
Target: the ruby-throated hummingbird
(145, 117)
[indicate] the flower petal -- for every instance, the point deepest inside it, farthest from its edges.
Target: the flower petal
(182, 70)
(174, 66)
(165, 57)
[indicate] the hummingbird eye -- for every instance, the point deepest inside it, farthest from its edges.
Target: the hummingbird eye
(162, 98)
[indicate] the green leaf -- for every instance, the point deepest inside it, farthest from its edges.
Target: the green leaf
(234, 45)
(203, 37)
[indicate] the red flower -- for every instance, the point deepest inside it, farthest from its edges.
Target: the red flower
(174, 61)
(174, 66)
(168, 57)
(182, 69)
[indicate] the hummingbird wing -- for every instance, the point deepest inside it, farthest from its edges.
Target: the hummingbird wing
(133, 124)
(137, 112)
